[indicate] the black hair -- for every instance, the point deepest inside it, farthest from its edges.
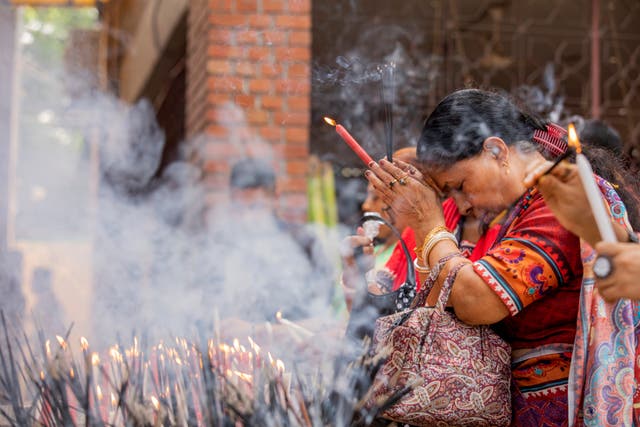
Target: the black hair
(458, 126)
(597, 133)
(252, 173)
(608, 165)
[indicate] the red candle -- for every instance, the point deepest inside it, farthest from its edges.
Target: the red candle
(350, 140)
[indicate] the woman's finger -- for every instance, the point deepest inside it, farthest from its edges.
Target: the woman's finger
(392, 169)
(382, 173)
(382, 188)
(612, 249)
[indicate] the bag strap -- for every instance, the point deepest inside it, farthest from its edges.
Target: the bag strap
(428, 284)
(411, 273)
(447, 285)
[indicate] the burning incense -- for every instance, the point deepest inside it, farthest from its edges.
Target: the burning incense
(350, 140)
(603, 220)
(293, 326)
(388, 96)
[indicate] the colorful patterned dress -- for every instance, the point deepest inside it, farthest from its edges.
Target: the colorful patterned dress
(536, 270)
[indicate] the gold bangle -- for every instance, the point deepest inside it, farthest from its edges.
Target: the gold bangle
(435, 239)
(420, 268)
(430, 234)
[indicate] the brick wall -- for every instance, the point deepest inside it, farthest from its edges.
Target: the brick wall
(248, 90)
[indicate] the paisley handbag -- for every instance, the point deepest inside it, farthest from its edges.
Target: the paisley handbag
(443, 371)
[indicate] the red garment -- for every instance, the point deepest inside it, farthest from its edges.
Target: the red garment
(536, 270)
(397, 263)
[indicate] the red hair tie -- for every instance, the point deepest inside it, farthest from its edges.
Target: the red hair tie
(552, 139)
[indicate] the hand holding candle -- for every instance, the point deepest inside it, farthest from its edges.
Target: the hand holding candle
(598, 208)
(350, 140)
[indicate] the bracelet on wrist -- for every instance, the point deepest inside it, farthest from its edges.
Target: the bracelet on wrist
(430, 234)
(420, 268)
(435, 239)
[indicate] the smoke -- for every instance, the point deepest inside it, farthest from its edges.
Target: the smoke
(117, 242)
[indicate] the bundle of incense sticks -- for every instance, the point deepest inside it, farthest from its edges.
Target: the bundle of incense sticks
(212, 383)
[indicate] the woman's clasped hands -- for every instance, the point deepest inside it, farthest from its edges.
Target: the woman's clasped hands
(408, 192)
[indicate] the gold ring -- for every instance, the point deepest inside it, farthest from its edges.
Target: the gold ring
(403, 180)
(392, 183)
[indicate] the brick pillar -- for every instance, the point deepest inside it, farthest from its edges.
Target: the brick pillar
(249, 88)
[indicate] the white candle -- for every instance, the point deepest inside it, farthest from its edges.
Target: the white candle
(603, 220)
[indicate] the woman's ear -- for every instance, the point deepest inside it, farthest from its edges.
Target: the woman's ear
(497, 148)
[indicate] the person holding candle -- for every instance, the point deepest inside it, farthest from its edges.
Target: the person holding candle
(566, 197)
(477, 146)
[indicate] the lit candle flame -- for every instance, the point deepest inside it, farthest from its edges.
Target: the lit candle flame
(114, 401)
(573, 140)
(47, 345)
(84, 344)
(254, 346)
(42, 375)
(236, 344)
(95, 359)
(279, 313)
(155, 402)
(61, 341)
(330, 121)
(245, 377)
(280, 365)
(71, 373)
(98, 392)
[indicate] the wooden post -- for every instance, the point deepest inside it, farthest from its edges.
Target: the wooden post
(595, 59)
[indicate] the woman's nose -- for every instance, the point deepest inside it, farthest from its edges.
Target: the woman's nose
(464, 207)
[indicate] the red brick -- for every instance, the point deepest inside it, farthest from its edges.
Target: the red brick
(219, 66)
(246, 69)
(217, 131)
(275, 37)
(221, 150)
(293, 53)
(219, 98)
(213, 116)
(248, 37)
(297, 103)
(228, 19)
(259, 21)
(272, 102)
(247, 6)
(295, 151)
(271, 70)
(225, 84)
(296, 135)
(261, 85)
(271, 133)
(219, 35)
(220, 5)
(246, 101)
(299, 22)
(291, 119)
(225, 51)
(295, 185)
(216, 166)
(260, 53)
(257, 117)
(299, 6)
(300, 38)
(291, 86)
(297, 167)
(274, 6)
(299, 70)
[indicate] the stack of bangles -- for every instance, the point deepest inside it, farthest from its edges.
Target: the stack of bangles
(435, 236)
